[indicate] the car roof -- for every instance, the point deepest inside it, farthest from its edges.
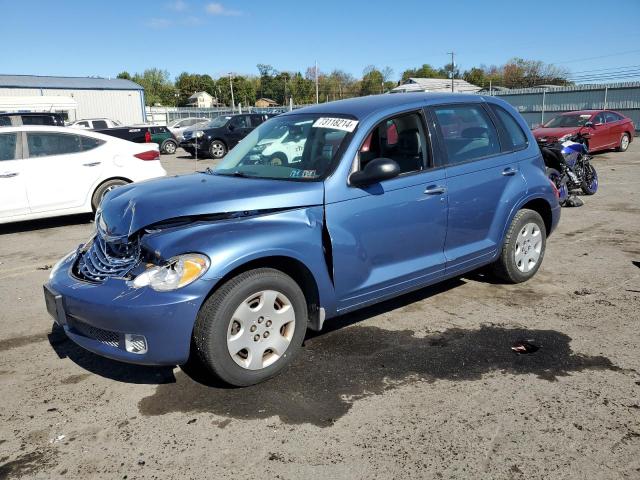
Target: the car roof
(362, 107)
(54, 129)
(10, 114)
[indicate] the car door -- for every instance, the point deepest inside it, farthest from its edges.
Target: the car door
(13, 191)
(62, 168)
(480, 176)
(598, 134)
(389, 237)
(238, 128)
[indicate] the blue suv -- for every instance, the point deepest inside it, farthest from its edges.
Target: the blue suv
(379, 196)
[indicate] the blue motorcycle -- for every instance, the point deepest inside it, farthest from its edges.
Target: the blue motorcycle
(569, 166)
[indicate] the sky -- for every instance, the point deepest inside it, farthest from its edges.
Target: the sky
(103, 38)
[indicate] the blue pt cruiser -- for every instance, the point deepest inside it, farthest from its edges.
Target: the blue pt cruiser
(366, 199)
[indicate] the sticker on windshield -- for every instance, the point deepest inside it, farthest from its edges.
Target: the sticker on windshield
(336, 123)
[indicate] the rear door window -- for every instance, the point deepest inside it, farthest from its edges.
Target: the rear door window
(611, 117)
(8, 143)
(598, 119)
(5, 121)
(83, 124)
(42, 144)
(515, 136)
(37, 120)
(100, 124)
(467, 132)
(89, 143)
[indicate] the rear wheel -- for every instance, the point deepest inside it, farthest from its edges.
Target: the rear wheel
(590, 181)
(278, 158)
(556, 177)
(103, 189)
(624, 143)
(170, 147)
(252, 327)
(523, 248)
(217, 149)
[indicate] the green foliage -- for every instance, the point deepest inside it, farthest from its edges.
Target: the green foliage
(158, 88)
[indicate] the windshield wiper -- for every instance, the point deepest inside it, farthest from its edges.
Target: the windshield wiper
(235, 173)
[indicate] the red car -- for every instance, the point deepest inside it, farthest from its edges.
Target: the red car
(603, 128)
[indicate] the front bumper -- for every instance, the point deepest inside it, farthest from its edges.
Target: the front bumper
(99, 316)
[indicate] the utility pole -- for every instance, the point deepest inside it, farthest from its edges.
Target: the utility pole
(233, 103)
(452, 67)
(316, 72)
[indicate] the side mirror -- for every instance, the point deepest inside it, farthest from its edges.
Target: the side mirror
(375, 171)
(589, 124)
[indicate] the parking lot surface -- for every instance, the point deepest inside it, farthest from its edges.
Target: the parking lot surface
(423, 386)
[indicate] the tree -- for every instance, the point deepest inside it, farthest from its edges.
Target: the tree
(475, 76)
(372, 81)
(124, 75)
(158, 87)
(189, 83)
(425, 71)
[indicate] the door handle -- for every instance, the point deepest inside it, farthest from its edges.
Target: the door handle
(509, 172)
(435, 190)
(9, 174)
(91, 164)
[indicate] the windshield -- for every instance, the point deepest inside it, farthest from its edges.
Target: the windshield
(568, 121)
(291, 147)
(218, 122)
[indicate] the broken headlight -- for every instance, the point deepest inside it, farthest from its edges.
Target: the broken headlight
(178, 272)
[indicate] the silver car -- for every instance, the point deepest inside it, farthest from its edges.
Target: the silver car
(178, 126)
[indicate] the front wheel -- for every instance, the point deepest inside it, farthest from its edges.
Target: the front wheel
(590, 181)
(561, 184)
(217, 149)
(523, 248)
(252, 327)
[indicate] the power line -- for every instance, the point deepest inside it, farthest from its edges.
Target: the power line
(599, 56)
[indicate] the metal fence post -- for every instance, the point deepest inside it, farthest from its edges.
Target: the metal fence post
(606, 90)
(544, 92)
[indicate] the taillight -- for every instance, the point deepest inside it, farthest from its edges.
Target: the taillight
(555, 188)
(150, 155)
(147, 137)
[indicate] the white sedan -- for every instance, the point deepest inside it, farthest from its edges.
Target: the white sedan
(51, 171)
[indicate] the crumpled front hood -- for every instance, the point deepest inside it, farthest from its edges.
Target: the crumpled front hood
(554, 132)
(127, 209)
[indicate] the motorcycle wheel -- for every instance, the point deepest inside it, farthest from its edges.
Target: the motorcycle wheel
(590, 180)
(563, 190)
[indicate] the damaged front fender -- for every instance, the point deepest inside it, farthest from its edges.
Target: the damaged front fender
(231, 243)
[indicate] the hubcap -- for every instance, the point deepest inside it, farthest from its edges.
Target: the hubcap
(528, 247)
(217, 150)
(108, 189)
(624, 143)
(170, 148)
(261, 330)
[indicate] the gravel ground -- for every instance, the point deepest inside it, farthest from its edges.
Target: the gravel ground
(422, 386)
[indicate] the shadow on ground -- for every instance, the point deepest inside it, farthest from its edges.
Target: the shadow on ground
(30, 225)
(119, 371)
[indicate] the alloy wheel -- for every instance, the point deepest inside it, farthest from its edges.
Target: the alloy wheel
(528, 247)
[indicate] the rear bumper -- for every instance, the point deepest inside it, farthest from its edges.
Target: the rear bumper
(98, 317)
(555, 218)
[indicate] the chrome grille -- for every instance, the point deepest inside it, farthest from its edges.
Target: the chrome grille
(107, 259)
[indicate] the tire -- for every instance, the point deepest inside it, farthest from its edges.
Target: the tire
(190, 151)
(514, 266)
(590, 183)
(624, 143)
(278, 158)
(169, 147)
(556, 177)
(217, 149)
(103, 189)
(236, 315)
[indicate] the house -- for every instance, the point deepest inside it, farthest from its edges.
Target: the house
(266, 102)
(435, 85)
(74, 97)
(201, 100)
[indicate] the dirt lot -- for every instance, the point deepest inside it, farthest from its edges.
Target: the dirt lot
(423, 386)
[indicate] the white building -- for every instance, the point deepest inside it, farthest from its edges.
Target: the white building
(77, 97)
(435, 85)
(200, 100)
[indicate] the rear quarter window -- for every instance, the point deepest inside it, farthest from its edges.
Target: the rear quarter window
(515, 135)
